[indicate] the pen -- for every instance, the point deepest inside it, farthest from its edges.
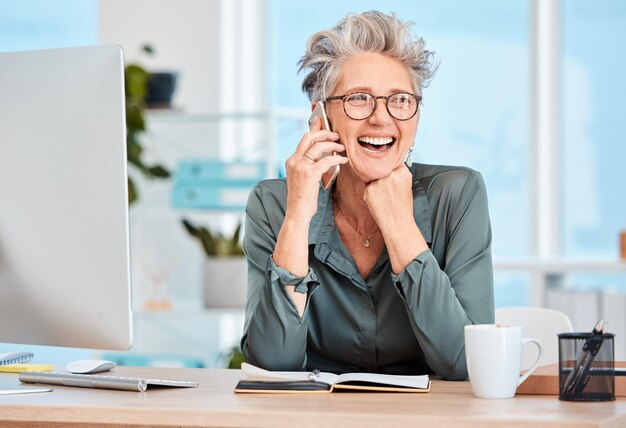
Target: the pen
(314, 374)
(592, 346)
(576, 378)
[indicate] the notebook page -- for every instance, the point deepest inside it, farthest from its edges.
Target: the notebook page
(256, 373)
(392, 380)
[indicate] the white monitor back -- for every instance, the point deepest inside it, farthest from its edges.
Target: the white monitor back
(64, 246)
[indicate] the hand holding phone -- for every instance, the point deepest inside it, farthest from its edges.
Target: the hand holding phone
(319, 111)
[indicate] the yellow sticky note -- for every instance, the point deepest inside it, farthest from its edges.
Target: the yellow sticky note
(18, 368)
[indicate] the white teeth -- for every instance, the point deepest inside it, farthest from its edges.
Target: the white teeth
(378, 141)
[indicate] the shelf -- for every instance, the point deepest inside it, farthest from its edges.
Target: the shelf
(561, 265)
(550, 274)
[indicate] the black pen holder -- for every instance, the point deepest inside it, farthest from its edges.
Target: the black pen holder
(586, 367)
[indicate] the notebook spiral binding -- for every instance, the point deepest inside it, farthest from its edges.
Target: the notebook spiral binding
(15, 358)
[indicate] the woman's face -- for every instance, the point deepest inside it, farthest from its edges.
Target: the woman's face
(377, 75)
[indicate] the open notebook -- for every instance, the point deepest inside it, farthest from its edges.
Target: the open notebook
(257, 380)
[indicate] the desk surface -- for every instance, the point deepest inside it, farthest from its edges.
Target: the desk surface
(449, 404)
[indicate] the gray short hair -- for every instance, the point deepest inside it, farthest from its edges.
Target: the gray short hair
(369, 32)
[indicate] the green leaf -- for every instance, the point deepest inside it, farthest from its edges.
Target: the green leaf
(235, 358)
(209, 244)
(190, 227)
(134, 116)
(236, 233)
(148, 49)
(132, 191)
(158, 171)
(136, 81)
(234, 246)
(133, 150)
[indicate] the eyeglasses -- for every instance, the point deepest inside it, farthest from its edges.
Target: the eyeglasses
(361, 105)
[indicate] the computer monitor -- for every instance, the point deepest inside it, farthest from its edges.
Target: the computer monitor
(64, 242)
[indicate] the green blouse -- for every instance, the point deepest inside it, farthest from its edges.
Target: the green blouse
(411, 323)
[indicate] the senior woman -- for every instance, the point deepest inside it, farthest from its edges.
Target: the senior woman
(380, 272)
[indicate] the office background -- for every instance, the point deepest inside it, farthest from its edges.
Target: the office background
(238, 99)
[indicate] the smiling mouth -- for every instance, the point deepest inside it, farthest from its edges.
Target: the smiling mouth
(378, 144)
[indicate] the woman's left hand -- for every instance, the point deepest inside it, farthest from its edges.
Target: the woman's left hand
(390, 201)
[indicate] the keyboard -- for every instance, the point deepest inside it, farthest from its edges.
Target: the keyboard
(100, 381)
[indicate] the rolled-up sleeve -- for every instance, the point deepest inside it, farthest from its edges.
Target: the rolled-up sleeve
(275, 336)
(442, 296)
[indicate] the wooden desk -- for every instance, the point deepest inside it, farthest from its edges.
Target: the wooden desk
(450, 404)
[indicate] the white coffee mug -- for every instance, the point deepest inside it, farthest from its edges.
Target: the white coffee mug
(493, 353)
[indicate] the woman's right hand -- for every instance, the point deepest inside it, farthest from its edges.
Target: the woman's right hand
(306, 166)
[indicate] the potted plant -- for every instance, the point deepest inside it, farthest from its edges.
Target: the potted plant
(225, 272)
(136, 85)
(234, 358)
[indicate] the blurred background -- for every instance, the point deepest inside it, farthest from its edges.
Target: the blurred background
(528, 92)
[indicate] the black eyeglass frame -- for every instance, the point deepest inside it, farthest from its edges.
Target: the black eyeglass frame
(418, 98)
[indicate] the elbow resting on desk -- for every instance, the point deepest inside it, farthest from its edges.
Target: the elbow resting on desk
(452, 370)
(458, 371)
(274, 361)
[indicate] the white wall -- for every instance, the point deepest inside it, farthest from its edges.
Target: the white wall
(218, 46)
(185, 35)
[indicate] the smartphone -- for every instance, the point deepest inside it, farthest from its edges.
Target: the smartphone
(329, 176)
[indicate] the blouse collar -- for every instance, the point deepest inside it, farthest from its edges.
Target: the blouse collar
(322, 222)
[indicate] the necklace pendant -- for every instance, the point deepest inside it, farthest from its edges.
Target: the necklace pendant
(367, 243)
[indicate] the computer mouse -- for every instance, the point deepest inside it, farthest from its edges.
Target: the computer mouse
(90, 366)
